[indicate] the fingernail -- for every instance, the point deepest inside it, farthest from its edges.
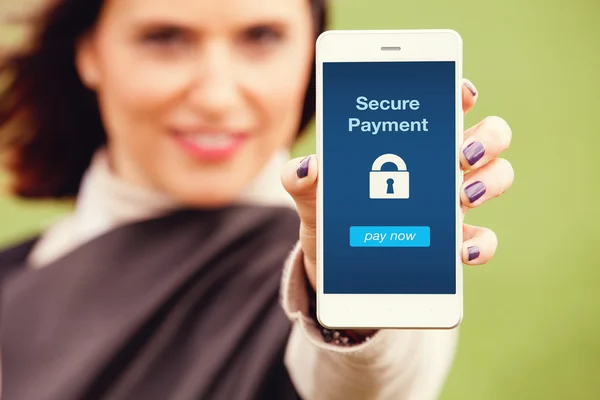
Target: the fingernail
(474, 152)
(469, 85)
(473, 252)
(475, 190)
(302, 170)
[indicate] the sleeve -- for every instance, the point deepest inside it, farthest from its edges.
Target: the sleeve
(392, 364)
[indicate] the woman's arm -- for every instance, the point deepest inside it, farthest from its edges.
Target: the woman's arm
(395, 364)
(392, 364)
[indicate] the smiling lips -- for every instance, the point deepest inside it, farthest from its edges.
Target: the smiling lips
(210, 145)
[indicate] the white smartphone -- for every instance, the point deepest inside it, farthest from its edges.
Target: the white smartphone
(389, 132)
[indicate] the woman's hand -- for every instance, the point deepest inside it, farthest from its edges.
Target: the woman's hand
(489, 176)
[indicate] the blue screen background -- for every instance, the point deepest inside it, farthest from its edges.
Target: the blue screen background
(431, 161)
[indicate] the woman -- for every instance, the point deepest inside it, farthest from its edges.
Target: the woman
(170, 122)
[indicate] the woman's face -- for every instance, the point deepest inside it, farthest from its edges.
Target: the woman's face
(196, 95)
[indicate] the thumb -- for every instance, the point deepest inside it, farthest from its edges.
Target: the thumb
(299, 178)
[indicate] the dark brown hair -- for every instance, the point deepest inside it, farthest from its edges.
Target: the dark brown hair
(50, 124)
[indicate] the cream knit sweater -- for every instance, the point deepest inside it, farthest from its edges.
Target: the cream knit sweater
(394, 364)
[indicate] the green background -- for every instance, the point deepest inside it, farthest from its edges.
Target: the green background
(531, 327)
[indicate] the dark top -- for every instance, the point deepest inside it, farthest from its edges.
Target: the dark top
(184, 306)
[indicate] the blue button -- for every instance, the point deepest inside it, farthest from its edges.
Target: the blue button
(389, 236)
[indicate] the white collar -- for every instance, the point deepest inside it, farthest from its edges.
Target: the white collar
(105, 202)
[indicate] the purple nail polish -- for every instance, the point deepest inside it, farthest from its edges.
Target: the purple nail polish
(473, 252)
(475, 190)
(474, 152)
(302, 170)
(469, 85)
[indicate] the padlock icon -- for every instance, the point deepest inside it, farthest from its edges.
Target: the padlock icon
(389, 184)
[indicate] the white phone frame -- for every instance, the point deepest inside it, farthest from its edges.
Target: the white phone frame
(407, 311)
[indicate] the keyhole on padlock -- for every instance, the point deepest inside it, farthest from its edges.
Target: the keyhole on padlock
(390, 188)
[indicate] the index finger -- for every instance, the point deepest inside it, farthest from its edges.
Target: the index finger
(469, 95)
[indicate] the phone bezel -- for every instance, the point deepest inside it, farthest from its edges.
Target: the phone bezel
(408, 311)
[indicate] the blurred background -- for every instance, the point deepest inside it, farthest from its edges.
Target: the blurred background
(532, 315)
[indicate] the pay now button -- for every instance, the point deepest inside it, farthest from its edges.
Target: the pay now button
(389, 236)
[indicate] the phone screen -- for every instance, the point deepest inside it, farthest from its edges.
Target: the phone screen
(389, 172)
